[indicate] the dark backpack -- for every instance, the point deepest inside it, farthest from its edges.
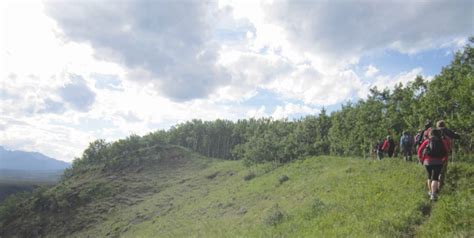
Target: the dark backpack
(391, 144)
(419, 137)
(407, 141)
(435, 148)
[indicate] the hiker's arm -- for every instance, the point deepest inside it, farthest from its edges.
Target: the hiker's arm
(453, 134)
(447, 147)
(420, 151)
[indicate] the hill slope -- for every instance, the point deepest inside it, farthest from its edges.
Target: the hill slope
(167, 191)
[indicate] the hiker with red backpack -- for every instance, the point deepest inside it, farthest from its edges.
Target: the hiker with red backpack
(379, 150)
(433, 153)
(389, 146)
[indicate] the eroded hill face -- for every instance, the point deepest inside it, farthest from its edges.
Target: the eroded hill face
(91, 195)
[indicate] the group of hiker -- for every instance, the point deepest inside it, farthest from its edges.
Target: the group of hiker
(432, 146)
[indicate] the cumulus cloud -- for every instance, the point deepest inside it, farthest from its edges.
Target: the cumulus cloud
(77, 94)
(345, 29)
(371, 71)
(168, 43)
(257, 113)
(52, 106)
(313, 87)
(388, 81)
(107, 81)
(291, 109)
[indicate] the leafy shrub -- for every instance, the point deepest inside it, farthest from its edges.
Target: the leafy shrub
(249, 176)
(274, 216)
(283, 179)
(213, 175)
(316, 208)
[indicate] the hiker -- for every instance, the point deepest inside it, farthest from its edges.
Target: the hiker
(447, 132)
(424, 134)
(432, 153)
(406, 145)
(426, 131)
(379, 150)
(418, 138)
(389, 146)
(448, 135)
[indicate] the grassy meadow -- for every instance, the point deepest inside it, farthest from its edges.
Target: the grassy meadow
(173, 192)
(322, 197)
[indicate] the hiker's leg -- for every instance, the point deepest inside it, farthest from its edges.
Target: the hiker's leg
(429, 170)
(428, 183)
(436, 173)
(434, 186)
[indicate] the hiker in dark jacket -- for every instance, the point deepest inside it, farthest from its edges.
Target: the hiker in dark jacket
(448, 135)
(418, 138)
(447, 132)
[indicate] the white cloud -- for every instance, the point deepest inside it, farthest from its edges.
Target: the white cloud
(291, 109)
(257, 113)
(316, 88)
(371, 71)
(387, 81)
(167, 43)
(344, 29)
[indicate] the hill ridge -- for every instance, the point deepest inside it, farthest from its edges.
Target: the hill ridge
(174, 192)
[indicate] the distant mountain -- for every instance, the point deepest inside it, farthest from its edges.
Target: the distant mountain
(21, 160)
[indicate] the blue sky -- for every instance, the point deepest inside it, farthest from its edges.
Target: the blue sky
(392, 62)
(70, 77)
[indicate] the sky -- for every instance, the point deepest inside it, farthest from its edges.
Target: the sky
(75, 71)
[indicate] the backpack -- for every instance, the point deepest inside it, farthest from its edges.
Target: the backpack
(391, 144)
(419, 137)
(406, 141)
(380, 146)
(435, 148)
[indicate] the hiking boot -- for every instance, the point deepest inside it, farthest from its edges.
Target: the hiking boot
(433, 197)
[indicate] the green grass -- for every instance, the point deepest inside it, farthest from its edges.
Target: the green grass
(323, 197)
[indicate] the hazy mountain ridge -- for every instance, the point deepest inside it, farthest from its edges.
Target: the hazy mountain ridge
(30, 161)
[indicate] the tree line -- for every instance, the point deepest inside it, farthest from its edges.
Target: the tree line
(351, 131)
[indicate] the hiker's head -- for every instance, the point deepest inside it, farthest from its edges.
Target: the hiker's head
(440, 124)
(405, 133)
(428, 124)
(388, 137)
(437, 133)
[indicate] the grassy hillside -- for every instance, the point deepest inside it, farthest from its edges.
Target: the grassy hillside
(170, 192)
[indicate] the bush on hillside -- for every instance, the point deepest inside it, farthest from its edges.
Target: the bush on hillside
(274, 216)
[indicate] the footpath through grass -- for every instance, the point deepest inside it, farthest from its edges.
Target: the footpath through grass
(323, 197)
